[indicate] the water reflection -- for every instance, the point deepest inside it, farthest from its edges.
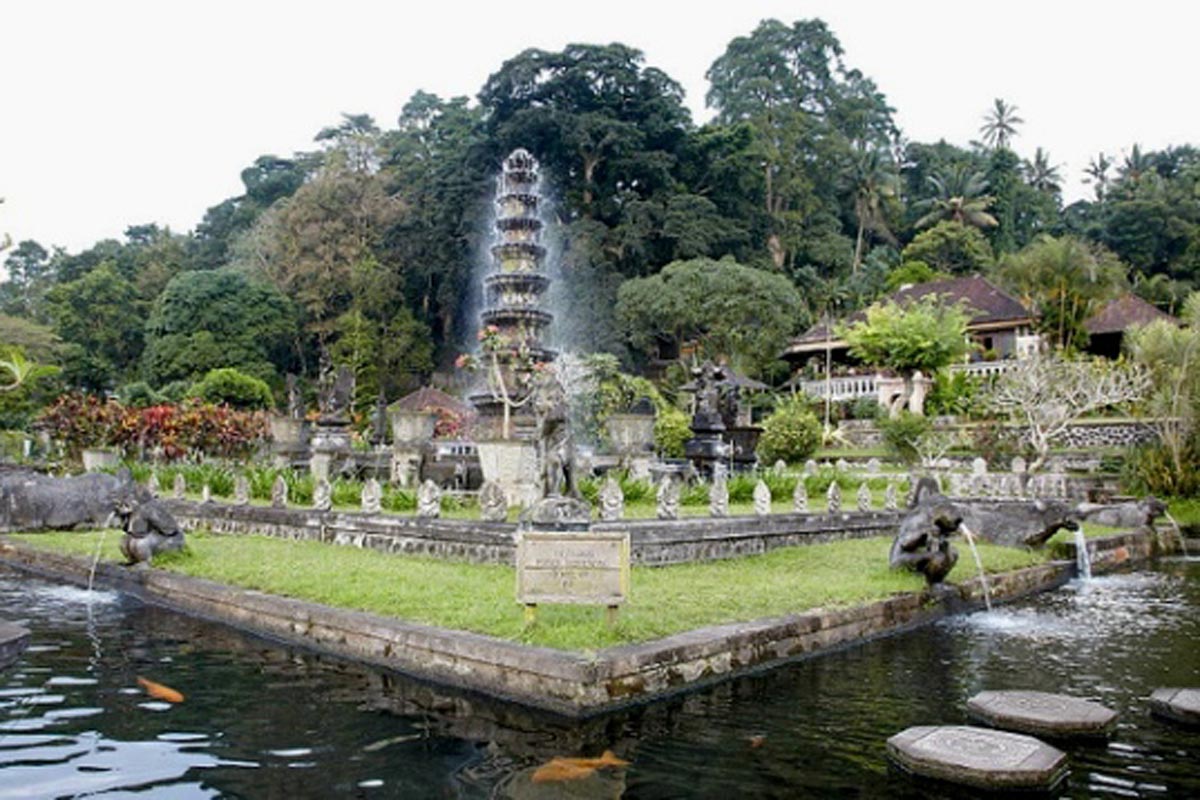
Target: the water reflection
(261, 720)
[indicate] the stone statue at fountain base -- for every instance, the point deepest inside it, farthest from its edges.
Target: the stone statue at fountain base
(149, 527)
(923, 543)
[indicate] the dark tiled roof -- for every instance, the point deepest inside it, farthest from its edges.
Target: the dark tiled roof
(1124, 312)
(428, 397)
(986, 304)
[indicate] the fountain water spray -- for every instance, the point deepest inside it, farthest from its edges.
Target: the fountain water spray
(513, 321)
(987, 595)
(1178, 534)
(1083, 559)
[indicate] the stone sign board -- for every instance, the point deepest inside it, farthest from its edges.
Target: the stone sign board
(583, 568)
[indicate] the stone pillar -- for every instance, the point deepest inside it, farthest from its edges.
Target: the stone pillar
(411, 433)
(515, 466)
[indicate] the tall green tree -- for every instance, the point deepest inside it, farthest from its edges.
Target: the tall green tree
(211, 319)
(1064, 280)
(722, 309)
(1000, 124)
(99, 317)
(807, 111)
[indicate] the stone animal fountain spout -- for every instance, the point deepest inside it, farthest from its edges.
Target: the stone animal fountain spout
(149, 528)
(923, 543)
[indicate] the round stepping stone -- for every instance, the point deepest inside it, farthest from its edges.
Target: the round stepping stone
(979, 757)
(13, 639)
(1042, 713)
(1180, 705)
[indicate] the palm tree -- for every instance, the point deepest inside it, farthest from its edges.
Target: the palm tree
(1000, 124)
(1041, 174)
(1136, 166)
(1097, 173)
(875, 180)
(959, 197)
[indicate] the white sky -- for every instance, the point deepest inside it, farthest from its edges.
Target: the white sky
(120, 112)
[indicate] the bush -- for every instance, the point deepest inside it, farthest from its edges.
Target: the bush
(952, 394)
(234, 389)
(139, 395)
(903, 434)
(791, 433)
(1150, 470)
(672, 429)
(865, 408)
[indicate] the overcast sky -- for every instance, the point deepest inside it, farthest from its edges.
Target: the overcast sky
(118, 112)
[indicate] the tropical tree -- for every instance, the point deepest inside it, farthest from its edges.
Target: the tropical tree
(1064, 280)
(958, 197)
(807, 111)
(1170, 354)
(726, 310)
(874, 181)
(951, 247)
(921, 336)
(1046, 392)
(1096, 172)
(1000, 124)
(209, 319)
(1041, 174)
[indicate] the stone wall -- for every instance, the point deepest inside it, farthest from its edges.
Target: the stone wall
(1080, 436)
(652, 542)
(461, 540)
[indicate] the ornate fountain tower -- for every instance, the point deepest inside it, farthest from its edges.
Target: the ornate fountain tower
(513, 321)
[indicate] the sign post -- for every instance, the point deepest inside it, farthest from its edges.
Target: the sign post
(582, 568)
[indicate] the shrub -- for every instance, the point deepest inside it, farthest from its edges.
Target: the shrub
(792, 432)
(672, 429)
(952, 393)
(83, 421)
(903, 434)
(234, 389)
(139, 394)
(1150, 470)
(865, 408)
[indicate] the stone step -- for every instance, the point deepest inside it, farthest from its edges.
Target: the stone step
(978, 757)
(1042, 713)
(1178, 705)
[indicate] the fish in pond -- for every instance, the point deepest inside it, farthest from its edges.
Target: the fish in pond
(757, 741)
(160, 692)
(573, 769)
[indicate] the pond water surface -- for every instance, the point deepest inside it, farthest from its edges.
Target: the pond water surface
(261, 720)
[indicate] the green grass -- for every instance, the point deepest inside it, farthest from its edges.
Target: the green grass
(1185, 511)
(481, 598)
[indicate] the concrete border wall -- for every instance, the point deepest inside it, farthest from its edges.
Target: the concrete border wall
(567, 683)
(653, 542)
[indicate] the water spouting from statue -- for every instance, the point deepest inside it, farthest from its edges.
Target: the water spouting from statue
(983, 581)
(1083, 559)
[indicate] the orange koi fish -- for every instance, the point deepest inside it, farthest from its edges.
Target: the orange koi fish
(572, 769)
(160, 692)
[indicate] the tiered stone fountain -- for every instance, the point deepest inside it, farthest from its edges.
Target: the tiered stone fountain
(512, 326)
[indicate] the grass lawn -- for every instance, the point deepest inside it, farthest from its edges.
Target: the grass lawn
(481, 597)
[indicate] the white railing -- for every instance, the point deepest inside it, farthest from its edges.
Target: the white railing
(842, 388)
(984, 368)
(850, 387)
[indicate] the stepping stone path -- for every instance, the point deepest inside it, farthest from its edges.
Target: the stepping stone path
(1179, 705)
(980, 757)
(1042, 713)
(13, 639)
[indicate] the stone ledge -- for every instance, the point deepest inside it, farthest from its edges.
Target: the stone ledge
(13, 640)
(558, 681)
(652, 542)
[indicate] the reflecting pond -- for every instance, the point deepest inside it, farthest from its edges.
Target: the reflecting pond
(264, 720)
